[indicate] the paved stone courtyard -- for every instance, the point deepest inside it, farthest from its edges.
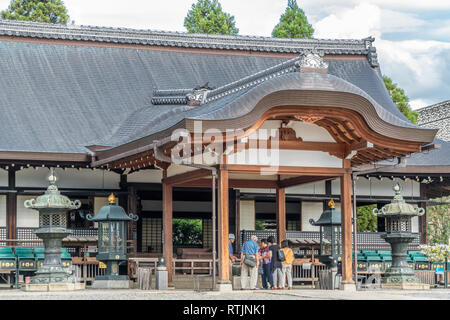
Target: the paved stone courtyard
(261, 295)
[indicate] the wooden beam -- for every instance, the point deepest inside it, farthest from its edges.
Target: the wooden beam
(286, 170)
(167, 200)
(346, 220)
(187, 176)
(233, 183)
(224, 276)
(296, 181)
(297, 145)
(281, 214)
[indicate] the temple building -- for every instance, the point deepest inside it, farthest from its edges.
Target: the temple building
(276, 126)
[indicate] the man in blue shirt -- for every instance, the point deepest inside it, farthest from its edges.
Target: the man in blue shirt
(249, 263)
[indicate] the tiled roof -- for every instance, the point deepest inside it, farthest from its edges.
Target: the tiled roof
(61, 97)
(436, 116)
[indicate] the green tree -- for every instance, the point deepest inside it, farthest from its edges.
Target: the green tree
(187, 232)
(50, 11)
(438, 223)
(367, 221)
(400, 99)
(293, 23)
(206, 16)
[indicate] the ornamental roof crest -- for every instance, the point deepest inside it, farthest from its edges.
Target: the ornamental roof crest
(312, 62)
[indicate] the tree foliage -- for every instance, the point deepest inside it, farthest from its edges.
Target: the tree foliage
(206, 16)
(400, 99)
(187, 232)
(438, 223)
(367, 221)
(259, 225)
(293, 23)
(50, 11)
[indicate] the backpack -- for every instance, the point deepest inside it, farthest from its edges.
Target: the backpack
(281, 255)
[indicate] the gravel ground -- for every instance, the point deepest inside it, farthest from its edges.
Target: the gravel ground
(300, 294)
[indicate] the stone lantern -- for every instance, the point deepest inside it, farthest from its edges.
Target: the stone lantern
(330, 235)
(397, 215)
(330, 245)
(53, 208)
(112, 243)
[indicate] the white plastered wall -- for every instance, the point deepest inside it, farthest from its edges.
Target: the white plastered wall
(145, 176)
(2, 210)
(3, 178)
(311, 210)
(69, 178)
(26, 218)
(376, 187)
(299, 158)
(247, 214)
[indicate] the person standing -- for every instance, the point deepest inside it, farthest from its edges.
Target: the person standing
(231, 256)
(249, 263)
(275, 264)
(264, 254)
(287, 263)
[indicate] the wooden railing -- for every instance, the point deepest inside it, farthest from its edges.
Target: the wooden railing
(86, 269)
(192, 266)
(301, 273)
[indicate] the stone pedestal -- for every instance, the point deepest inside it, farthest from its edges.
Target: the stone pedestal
(224, 286)
(400, 275)
(46, 287)
(406, 286)
(162, 278)
(349, 286)
(111, 284)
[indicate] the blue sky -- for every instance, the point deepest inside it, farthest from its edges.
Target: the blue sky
(412, 37)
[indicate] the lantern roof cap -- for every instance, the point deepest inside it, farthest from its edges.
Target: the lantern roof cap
(112, 212)
(398, 206)
(52, 198)
(330, 216)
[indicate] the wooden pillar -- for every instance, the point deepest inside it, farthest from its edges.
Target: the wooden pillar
(222, 235)
(423, 218)
(11, 205)
(281, 214)
(132, 207)
(167, 199)
(237, 231)
(328, 194)
(346, 220)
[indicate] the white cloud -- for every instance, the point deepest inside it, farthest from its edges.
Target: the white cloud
(419, 103)
(420, 67)
(355, 23)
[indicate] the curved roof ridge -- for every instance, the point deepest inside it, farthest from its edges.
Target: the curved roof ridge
(179, 96)
(184, 39)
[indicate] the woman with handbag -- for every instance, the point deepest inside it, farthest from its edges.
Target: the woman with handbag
(249, 263)
(275, 263)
